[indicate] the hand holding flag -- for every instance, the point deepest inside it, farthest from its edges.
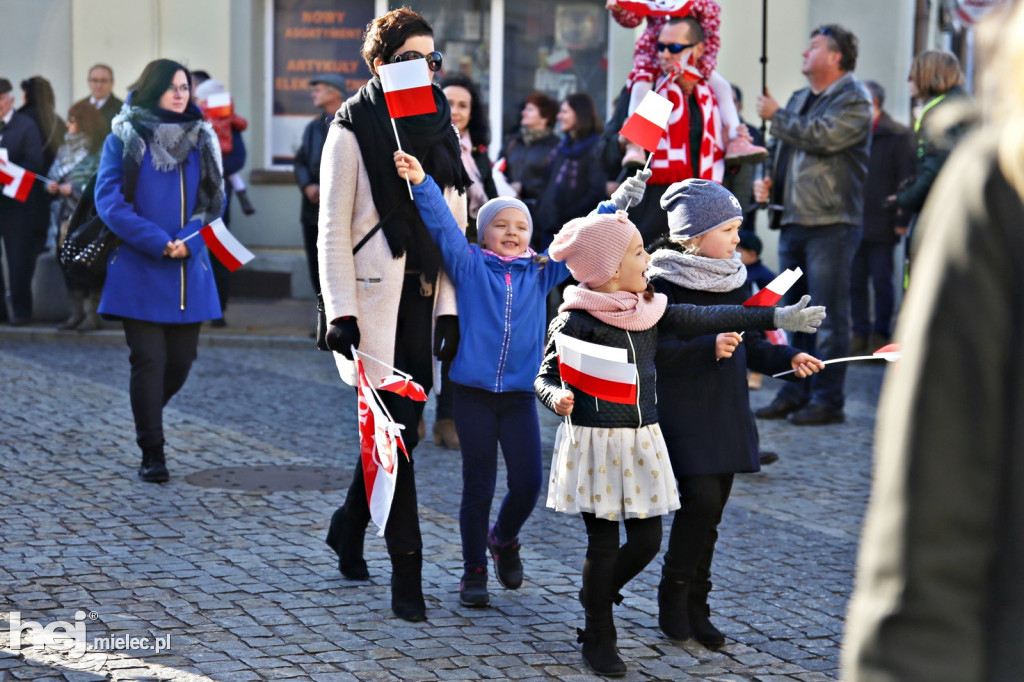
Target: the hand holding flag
(223, 245)
(408, 92)
(646, 126)
(890, 353)
(17, 181)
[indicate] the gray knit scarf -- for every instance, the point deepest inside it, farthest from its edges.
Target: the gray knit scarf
(170, 138)
(698, 273)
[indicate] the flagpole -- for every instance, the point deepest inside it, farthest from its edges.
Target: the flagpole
(849, 359)
(568, 420)
(395, 128)
(395, 370)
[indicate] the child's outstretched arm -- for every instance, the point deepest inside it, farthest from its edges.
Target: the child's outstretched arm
(713, 319)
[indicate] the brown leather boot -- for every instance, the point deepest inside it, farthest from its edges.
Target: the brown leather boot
(445, 434)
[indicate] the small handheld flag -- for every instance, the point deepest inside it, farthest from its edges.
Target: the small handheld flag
(648, 123)
(223, 245)
(16, 180)
(407, 88)
(380, 441)
(403, 386)
(890, 353)
(775, 289)
(218, 105)
(658, 8)
(602, 371)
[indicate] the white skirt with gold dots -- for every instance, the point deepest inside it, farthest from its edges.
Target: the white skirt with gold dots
(621, 473)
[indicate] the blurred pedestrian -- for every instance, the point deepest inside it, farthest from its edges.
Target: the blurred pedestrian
(938, 593)
(101, 96)
(40, 105)
(890, 164)
(817, 199)
(159, 182)
(528, 152)
(22, 223)
(77, 162)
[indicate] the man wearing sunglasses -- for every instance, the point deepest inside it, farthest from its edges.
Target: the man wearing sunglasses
(694, 145)
(816, 188)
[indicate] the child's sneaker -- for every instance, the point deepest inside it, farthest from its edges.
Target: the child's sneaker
(473, 588)
(507, 565)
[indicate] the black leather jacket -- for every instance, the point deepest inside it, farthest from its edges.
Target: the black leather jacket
(829, 154)
(641, 348)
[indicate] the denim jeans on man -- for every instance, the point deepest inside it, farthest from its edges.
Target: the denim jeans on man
(825, 254)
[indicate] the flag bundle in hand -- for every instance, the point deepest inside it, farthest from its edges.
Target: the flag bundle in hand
(16, 180)
(407, 88)
(775, 289)
(403, 386)
(380, 441)
(224, 246)
(658, 8)
(602, 371)
(649, 122)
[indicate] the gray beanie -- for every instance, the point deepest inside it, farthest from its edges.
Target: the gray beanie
(697, 206)
(487, 212)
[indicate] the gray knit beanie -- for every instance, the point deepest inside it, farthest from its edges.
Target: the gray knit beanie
(697, 206)
(487, 212)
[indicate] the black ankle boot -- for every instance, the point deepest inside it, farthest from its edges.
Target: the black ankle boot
(154, 467)
(704, 631)
(673, 618)
(347, 543)
(407, 586)
(599, 639)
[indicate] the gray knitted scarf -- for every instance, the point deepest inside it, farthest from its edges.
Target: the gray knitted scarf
(698, 273)
(169, 142)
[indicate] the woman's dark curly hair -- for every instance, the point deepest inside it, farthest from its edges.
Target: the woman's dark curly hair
(385, 34)
(478, 128)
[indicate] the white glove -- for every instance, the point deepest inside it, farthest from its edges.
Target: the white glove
(631, 191)
(799, 317)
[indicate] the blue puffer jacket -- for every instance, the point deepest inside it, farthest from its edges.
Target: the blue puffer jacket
(142, 283)
(502, 306)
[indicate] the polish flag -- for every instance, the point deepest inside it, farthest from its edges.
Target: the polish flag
(380, 441)
(775, 289)
(658, 8)
(224, 246)
(403, 386)
(601, 371)
(407, 88)
(649, 122)
(16, 180)
(218, 105)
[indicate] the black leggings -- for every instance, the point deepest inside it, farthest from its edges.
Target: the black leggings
(161, 357)
(608, 567)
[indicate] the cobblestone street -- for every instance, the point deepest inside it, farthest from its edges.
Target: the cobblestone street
(239, 585)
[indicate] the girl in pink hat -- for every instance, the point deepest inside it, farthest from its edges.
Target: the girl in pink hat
(610, 461)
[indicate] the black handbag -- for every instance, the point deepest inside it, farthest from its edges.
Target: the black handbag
(86, 249)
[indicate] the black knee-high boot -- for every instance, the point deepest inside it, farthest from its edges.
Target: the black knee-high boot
(346, 539)
(699, 614)
(673, 611)
(407, 586)
(599, 637)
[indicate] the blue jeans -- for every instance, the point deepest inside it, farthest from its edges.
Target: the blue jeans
(483, 420)
(872, 262)
(825, 254)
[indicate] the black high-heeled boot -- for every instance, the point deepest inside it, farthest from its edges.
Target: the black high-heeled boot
(599, 642)
(154, 466)
(347, 543)
(407, 586)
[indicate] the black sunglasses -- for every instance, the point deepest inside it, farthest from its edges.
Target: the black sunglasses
(674, 48)
(433, 59)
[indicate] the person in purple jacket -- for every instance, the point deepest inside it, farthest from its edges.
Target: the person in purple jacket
(159, 181)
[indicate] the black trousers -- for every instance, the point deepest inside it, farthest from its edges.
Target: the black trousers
(161, 357)
(412, 355)
(22, 244)
(309, 232)
(691, 542)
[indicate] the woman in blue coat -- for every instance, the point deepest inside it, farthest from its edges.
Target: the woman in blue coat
(159, 181)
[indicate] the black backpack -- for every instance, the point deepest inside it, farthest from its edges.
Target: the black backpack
(84, 253)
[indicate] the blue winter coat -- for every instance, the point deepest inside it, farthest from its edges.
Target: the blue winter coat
(142, 283)
(502, 306)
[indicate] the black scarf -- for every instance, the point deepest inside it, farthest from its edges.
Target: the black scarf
(432, 139)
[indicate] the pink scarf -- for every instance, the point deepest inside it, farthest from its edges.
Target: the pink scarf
(623, 309)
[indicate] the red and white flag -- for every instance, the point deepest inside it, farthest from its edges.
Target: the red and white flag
(16, 180)
(775, 289)
(380, 441)
(658, 8)
(403, 386)
(218, 105)
(649, 122)
(407, 88)
(602, 371)
(224, 246)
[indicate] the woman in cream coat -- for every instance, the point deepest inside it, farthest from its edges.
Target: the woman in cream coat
(382, 280)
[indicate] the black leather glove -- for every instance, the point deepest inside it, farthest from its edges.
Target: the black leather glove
(342, 335)
(446, 337)
(321, 324)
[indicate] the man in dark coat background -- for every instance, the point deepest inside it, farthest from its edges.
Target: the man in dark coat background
(890, 163)
(327, 91)
(22, 223)
(101, 86)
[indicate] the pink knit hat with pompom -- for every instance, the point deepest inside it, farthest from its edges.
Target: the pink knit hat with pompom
(593, 247)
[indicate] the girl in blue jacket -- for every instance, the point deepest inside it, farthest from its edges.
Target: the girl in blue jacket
(159, 181)
(501, 285)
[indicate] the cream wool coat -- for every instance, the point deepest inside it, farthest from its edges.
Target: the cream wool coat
(368, 285)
